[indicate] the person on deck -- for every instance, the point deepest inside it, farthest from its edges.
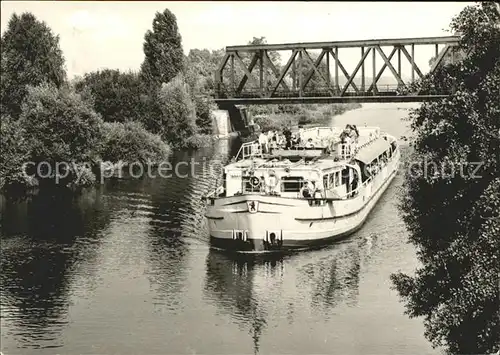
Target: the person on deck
(301, 134)
(274, 140)
(288, 137)
(270, 140)
(310, 143)
(263, 142)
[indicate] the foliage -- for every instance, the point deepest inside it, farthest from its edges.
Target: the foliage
(198, 140)
(200, 68)
(59, 126)
(164, 57)
(253, 82)
(316, 82)
(81, 175)
(117, 96)
(131, 142)
(15, 152)
(204, 106)
(30, 56)
(177, 121)
(301, 115)
(452, 200)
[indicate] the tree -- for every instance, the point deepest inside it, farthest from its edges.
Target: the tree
(254, 81)
(200, 68)
(177, 122)
(15, 153)
(30, 56)
(452, 201)
(164, 57)
(59, 126)
(316, 83)
(117, 96)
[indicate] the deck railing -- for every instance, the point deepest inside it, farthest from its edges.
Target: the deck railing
(346, 151)
(249, 150)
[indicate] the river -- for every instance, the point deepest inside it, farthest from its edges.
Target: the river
(125, 268)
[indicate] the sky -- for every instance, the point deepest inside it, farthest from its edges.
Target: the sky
(110, 34)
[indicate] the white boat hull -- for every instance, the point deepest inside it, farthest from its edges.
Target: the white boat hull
(260, 223)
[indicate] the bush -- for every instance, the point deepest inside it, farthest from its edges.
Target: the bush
(81, 176)
(200, 141)
(59, 126)
(131, 142)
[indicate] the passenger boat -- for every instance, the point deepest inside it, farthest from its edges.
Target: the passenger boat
(301, 196)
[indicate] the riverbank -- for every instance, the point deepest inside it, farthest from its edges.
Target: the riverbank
(303, 115)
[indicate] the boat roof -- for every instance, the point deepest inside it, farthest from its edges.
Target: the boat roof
(370, 152)
(297, 154)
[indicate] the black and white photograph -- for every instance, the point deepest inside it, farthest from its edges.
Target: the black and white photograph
(250, 177)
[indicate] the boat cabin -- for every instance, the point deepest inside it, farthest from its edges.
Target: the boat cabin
(308, 178)
(330, 168)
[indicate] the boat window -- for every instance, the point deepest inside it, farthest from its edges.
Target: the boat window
(345, 176)
(364, 172)
(337, 178)
(325, 181)
(251, 186)
(292, 183)
(384, 158)
(332, 179)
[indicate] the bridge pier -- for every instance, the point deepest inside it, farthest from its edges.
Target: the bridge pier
(221, 126)
(237, 116)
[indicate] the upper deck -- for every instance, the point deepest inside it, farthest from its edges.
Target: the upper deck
(318, 145)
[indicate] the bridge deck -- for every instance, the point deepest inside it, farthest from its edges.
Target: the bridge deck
(223, 103)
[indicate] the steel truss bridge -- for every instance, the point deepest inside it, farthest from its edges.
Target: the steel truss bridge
(263, 83)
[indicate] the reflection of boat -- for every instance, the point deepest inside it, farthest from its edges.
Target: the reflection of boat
(303, 195)
(230, 283)
(260, 293)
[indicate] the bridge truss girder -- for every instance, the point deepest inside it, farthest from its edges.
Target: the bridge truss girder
(271, 83)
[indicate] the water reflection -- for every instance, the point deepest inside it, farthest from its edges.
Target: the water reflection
(333, 278)
(231, 283)
(261, 294)
(178, 222)
(39, 260)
